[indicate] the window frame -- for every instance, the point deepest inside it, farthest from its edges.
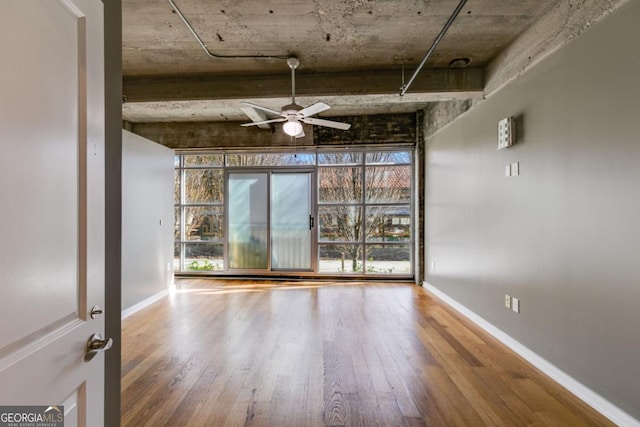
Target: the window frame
(364, 241)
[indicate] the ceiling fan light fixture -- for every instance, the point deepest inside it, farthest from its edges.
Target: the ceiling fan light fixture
(292, 127)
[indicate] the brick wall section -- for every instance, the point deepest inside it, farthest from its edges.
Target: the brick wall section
(377, 129)
(383, 128)
(203, 135)
(420, 165)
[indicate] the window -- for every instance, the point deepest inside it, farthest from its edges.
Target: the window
(199, 198)
(363, 208)
(364, 213)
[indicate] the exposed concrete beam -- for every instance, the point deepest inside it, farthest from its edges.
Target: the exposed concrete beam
(231, 109)
(149, 89)
(439, 114)
(561, 24)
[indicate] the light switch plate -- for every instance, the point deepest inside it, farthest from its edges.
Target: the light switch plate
(507, 171)
(515, 305)
(515, 169)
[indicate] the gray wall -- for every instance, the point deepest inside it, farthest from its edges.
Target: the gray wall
(147, 200)
(563, 237)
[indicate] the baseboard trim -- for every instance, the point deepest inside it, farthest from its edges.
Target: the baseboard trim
(144, 303)
(593, 399)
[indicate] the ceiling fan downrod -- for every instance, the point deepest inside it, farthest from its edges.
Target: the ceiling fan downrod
(293, 63)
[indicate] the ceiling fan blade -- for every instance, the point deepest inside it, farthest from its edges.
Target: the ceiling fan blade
(316, 108)
(256, 116)
(326, 123)
(264, 122)
(260, 107)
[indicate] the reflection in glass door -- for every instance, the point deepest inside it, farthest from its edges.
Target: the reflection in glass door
(291, 221)
(248, 220)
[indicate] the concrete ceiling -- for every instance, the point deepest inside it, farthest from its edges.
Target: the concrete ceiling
(352, 54)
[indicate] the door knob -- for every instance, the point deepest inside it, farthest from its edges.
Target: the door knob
(95, 345)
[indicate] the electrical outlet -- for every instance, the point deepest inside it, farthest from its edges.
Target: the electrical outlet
(515, 169)
(507, 171)
(507, 301)
(515, 305)
(433, 266)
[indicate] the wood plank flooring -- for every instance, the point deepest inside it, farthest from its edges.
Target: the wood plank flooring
(268, 353)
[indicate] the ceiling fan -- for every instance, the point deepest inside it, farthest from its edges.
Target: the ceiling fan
(293, 113)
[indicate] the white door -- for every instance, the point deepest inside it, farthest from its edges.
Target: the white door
(51, 205)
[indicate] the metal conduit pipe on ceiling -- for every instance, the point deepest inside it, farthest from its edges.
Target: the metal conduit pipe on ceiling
(215, 55)
(435, 43)
(404, 87)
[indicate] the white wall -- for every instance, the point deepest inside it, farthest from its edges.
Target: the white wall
(563, 237)
(147, 219)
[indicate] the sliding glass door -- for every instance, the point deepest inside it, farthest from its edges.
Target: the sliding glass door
(291, 221)
(270, 221)
(248, 235)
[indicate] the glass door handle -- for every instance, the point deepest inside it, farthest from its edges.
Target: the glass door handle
(310, 222)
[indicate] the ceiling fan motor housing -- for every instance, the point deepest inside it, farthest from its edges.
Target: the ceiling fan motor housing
(291, 109)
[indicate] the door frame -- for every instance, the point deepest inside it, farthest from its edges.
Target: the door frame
(113, 206)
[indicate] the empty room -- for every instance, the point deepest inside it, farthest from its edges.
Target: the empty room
(339, 213)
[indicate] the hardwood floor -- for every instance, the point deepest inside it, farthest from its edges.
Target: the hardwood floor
(233, 353)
